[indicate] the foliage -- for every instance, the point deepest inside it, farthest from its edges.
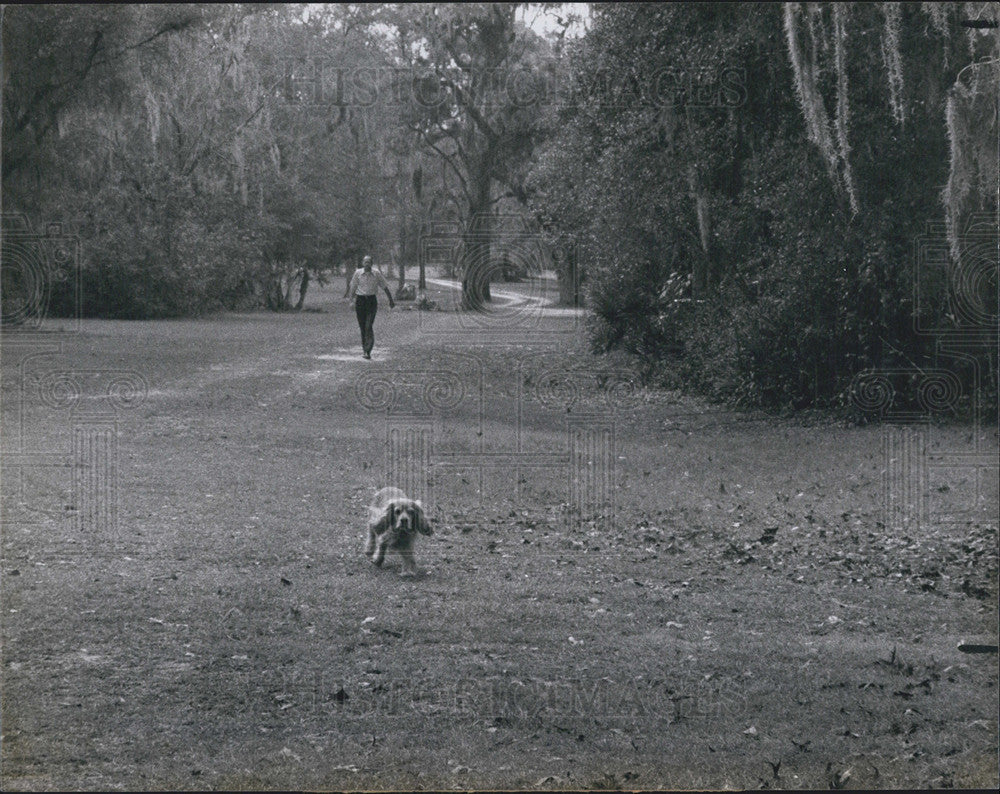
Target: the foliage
(766, 244)
(184, 150)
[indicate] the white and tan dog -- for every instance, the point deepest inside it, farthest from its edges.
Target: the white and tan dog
(393, 523)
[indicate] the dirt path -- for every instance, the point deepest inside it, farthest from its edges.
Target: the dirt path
(537, 295)
(626, 588)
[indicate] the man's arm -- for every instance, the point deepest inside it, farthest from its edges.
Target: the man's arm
(353, 287)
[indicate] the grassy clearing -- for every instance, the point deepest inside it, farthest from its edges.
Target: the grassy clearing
(743, 619)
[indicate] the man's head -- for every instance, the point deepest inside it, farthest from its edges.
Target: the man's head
(366, 263)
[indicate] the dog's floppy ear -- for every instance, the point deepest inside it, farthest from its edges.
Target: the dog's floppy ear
(423, 525)
(384, 519)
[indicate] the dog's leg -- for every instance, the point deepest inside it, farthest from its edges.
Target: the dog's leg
(409, 565)
(380, 546)
(378, 535)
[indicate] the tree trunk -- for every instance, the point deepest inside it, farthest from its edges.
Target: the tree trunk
(402, 252)
(274, 294)
(476, 272)
(569, 280)
(478, 264)
(422, 279)
(699, 275)
(303, 286)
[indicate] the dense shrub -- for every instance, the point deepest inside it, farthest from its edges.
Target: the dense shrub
(764, 267)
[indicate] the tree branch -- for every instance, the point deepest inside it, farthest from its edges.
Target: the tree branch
(449, 160)
(467, 105)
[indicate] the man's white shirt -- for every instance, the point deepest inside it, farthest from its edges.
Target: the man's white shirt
(367, 283)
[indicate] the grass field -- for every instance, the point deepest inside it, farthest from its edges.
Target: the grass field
(627, 588)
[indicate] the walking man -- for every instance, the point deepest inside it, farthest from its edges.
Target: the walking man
(364, 286)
